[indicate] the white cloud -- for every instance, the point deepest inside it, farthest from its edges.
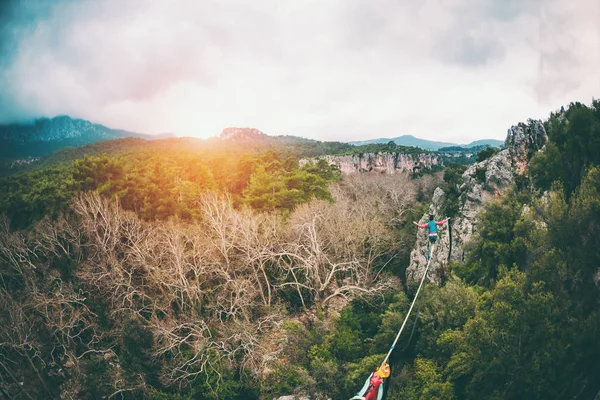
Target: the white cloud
(335, 70)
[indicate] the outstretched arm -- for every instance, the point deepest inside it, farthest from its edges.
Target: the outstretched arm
(442, 222)
(422, 226)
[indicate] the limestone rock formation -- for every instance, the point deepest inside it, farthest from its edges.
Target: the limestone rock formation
(522, 141)
(388, 163)
(481, 183)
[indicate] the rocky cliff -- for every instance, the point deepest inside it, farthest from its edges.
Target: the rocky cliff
(481, 183)
(524, 140)
(388, 163)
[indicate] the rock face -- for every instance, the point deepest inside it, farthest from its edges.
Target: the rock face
(388, 163)
(481, 183)
(522, 141)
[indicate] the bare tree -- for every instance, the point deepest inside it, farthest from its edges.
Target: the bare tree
(59, 238)
(208, 290)
(173, 338)
(19, 346)
(384, 196)
(119, 253)
(331, 251)
(14, 250)
(240, 243)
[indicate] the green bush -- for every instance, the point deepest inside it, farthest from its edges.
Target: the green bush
(452, 180)
(545, 167)
(486, 153)
(480, 174)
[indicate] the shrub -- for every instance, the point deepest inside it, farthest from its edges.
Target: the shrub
(486, 153)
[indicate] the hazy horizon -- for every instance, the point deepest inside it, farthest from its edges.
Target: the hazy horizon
(338, 70)
(32, 121)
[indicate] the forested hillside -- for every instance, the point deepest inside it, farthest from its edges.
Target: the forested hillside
(211, 148)
(233, 273)
(214, 148)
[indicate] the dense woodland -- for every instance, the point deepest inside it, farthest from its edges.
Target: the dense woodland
(237, 274)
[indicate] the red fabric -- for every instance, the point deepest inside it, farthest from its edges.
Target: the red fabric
(423, 226)
(441, 222)
(373, 387)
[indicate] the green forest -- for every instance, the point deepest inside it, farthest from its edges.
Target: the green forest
(176, 270)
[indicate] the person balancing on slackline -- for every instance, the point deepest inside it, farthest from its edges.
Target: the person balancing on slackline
(432, 228)
(375, 386)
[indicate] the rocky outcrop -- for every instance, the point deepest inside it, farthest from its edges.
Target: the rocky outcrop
(23, 162)
(388, 163)
(524, 140)
(481, 183)
(241, 134)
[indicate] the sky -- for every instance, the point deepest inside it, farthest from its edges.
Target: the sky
(449, 70)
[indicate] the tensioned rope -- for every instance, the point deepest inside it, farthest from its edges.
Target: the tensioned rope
(411, 306)
(450, 237)
(384, 370)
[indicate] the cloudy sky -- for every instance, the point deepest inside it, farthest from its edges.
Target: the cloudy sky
(453, 70)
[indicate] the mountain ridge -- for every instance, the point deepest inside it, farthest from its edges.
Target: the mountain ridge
(410, 140)
(44, 135)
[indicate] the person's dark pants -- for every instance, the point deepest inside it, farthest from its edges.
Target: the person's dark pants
(433, 239)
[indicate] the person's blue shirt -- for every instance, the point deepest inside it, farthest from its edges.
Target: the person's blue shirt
(432, 227)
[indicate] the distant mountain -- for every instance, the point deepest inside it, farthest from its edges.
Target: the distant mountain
(242, 134)
(255, 135)
(485, 142)
(409, 140)
(45, 135)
